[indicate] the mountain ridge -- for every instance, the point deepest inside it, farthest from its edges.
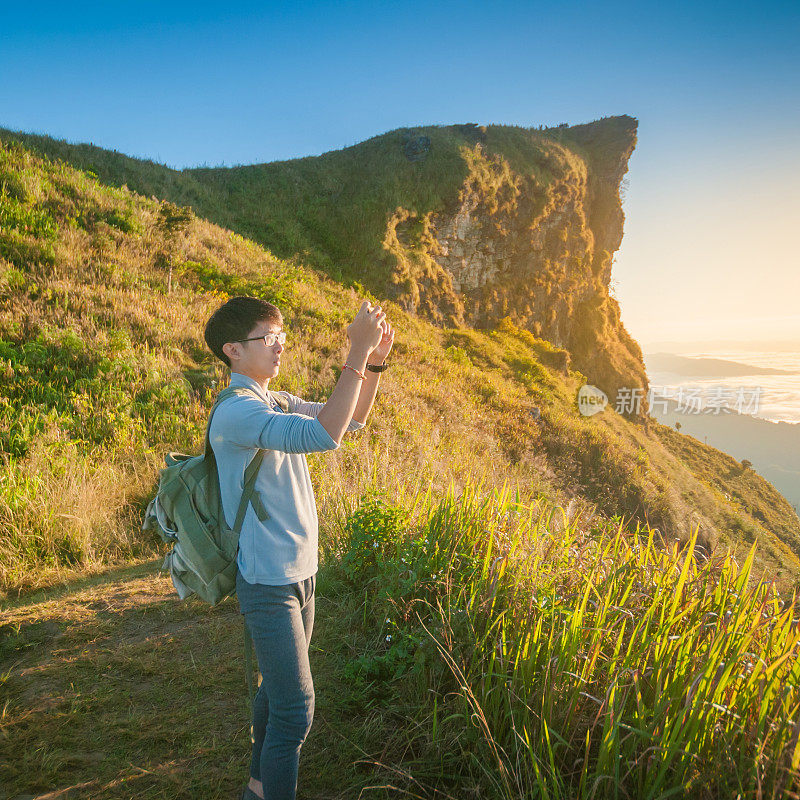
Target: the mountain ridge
(485, 222)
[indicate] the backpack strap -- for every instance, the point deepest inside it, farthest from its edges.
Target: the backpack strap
(249, 496)
(227, 392)
(214, 498)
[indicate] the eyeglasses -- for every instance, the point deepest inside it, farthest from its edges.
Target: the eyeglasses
(269, 338)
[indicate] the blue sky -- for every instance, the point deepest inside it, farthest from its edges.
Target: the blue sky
(709, 248)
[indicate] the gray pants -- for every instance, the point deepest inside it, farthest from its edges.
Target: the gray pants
(280, 620)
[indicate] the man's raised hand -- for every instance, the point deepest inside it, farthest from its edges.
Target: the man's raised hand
(366, 330)
(383, 348)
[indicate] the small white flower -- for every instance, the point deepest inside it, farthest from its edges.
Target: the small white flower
(389, 637)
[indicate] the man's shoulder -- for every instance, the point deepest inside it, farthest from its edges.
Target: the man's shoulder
(231, 393)
(235, 401)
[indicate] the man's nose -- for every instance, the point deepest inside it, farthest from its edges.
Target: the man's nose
(278, 347)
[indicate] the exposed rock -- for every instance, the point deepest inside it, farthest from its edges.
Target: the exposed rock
(537, 248)
(415, 145)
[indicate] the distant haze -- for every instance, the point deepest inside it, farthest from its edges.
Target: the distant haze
(720, 345)
(767, 433)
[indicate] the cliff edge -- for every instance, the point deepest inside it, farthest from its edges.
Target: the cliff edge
(531, 236)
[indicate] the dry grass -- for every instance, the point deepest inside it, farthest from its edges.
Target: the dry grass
(113, 688)
(129, 378)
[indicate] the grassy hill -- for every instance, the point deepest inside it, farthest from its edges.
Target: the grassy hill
(461, 224)
(344, 211)
(330, 208)
(103, 297)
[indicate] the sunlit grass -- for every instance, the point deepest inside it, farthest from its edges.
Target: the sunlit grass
(528, 649)
(582, 660)
(104, 368)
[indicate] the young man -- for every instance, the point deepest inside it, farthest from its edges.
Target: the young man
(277, 559)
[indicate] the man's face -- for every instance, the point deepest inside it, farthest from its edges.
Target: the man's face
(255, 358)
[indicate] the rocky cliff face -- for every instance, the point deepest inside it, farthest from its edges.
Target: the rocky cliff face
(534, 242)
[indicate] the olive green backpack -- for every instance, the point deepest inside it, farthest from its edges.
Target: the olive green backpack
(187, 513)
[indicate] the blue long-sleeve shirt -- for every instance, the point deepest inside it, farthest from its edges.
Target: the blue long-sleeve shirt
(283, 548)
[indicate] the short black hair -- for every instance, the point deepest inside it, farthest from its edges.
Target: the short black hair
(234, 320)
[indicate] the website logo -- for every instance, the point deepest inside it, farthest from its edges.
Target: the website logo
(591, 400)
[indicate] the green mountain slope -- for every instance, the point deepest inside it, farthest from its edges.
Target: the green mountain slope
(464, 225)
(103, 296)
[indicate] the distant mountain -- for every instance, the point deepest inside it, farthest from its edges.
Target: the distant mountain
(773, 448)
(705, 367)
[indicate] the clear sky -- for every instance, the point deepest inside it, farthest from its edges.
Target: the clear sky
(713, 205)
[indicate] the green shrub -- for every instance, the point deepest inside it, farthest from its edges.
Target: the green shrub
(24, 253)
(211, 278)
(123, 220)
(373, 534)
(27, 219)
(457, 355)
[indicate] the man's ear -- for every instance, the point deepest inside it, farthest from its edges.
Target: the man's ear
(231, 350)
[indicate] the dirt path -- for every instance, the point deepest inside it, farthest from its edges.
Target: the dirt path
(115, 688)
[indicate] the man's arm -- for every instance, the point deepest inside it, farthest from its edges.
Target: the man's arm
(366, 397)
(365, 332)
(310, 408)
(247, 421)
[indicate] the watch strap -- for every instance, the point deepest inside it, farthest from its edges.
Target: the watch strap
(377, 367)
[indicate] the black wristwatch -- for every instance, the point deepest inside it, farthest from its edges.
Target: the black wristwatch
(377, 367)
